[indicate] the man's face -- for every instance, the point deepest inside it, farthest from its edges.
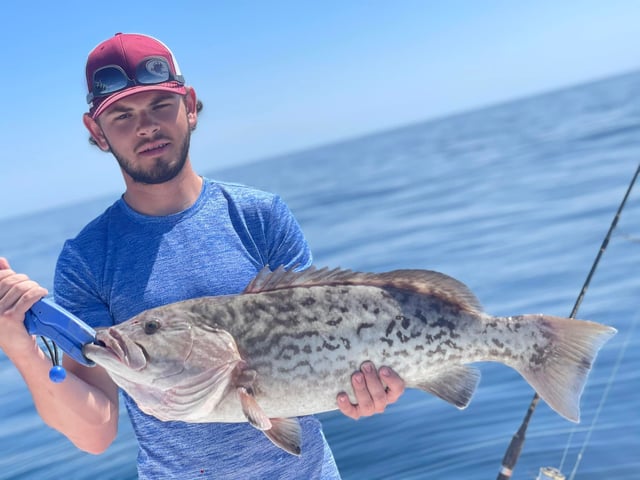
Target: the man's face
(149, 135)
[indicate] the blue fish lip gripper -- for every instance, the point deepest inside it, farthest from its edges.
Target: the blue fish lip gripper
(67, 331)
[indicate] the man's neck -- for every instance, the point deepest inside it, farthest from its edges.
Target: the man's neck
(166, 198)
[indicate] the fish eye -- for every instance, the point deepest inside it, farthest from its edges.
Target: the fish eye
(151, 327)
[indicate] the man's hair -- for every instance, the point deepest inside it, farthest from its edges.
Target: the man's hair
(199, 107)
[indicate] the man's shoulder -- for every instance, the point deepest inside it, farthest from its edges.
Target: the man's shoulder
(98, 226)
(241, 190)
(243, 196)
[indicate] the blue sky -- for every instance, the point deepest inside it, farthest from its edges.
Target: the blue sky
(280, 76)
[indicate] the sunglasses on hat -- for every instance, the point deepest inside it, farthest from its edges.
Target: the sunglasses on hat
(110, 79)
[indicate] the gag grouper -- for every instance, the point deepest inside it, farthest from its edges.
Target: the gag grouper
(289, 343)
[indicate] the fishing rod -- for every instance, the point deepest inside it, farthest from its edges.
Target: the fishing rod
(512, 454)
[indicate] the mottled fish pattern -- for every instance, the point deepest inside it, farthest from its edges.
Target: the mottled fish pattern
(290, 342)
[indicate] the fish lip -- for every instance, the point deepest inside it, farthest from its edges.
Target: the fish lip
(118, 348)
(144, 351)
(99, 345)
(107, 342)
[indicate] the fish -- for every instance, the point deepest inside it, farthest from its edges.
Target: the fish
(289, 343)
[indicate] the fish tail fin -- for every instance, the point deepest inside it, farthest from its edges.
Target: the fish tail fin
(558, 369)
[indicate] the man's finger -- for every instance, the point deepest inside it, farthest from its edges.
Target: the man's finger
(395, 385)
(4, 264)
(346, 407)
(375, 390)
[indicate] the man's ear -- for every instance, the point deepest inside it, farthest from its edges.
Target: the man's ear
(96, 132)
(192, 108)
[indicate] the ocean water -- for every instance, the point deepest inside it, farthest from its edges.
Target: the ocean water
(515, 201)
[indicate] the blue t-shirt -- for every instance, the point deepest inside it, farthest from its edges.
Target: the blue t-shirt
(123, 263)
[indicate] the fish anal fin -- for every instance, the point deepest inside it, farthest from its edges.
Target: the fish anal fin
(286, 434)
(456, 385)
(252, 410)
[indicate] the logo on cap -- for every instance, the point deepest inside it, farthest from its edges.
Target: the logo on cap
(157, 69)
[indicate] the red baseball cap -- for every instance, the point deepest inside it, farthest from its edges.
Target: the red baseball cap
(129, 63)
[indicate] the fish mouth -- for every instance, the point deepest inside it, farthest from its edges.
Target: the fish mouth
(116, 347)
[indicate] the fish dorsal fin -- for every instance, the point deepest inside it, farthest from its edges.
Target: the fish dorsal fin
(425, 282)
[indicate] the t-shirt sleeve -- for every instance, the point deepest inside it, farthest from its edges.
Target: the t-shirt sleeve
(287, 244)
(75, 288)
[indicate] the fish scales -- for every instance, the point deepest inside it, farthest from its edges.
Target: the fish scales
(291, 341)
(338, 328)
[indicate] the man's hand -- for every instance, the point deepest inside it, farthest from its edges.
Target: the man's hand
(374, 390)
(17, 295)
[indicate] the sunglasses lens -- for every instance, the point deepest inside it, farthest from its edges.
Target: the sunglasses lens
(152, 71)
(108, 80)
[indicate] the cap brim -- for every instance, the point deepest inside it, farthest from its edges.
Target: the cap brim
(171, 87)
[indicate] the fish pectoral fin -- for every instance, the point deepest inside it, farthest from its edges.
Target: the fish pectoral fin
(286, 434)
(252, 410)
(456, 386)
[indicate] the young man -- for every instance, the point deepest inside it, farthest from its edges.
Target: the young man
(172, 236)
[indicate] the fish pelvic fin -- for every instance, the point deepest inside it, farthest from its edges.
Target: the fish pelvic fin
(456, 386)
(252, 410)
(286, 434)
(558, 371)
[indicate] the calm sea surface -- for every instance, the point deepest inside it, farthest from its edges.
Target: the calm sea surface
(513, 200)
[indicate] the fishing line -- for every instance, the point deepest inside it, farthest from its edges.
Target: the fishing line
(515, 447)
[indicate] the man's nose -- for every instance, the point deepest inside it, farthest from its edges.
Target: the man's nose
(147, 125)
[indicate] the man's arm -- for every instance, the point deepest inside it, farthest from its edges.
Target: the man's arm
(84, 407)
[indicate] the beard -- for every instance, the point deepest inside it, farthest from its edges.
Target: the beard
(162, 171)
